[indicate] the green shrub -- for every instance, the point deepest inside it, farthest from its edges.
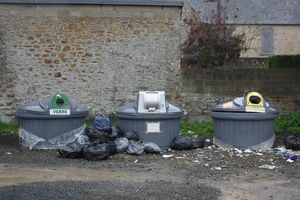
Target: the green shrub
(204, 129)
(288, 123)
(284, 61)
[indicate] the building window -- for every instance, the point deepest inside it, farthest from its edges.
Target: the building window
(267, 45)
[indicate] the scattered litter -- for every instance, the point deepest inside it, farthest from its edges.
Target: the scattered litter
(218, 168)
(196, 161)
(179, 157)
(168, 156)
(135, 148)
(8, 153)
(291, 158)
(238, 151)
(206, 165)
(151, 147)
(280, 150)
(136, 161)
(247, 151)
(266, 166)
(259, 154)
(271, 159)
(208, 142)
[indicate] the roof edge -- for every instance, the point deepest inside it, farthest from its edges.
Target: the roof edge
(170, 3)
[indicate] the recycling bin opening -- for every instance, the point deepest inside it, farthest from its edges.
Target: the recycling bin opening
(245, 122)
(152, 117)
(51, 122)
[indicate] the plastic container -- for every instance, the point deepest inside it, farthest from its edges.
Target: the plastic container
(47, 123)
(152, 118)
(246, 122)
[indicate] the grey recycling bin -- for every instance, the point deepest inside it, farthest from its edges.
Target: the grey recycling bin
(50, 122)
(154, 119)
(246, 122)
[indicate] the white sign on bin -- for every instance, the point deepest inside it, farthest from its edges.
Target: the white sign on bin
(153, 127)
(59, 111)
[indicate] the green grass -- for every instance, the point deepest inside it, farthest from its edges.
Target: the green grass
(6, 128)
(204, 129)
(288, 123)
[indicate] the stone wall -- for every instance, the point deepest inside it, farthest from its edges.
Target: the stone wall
(99, 56)
(204, 88)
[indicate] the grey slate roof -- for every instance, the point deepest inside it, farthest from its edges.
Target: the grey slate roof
(178, 3)
(252, 11)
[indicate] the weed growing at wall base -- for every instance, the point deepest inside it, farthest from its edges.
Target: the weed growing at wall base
(288, 123)
(204, 129)
(6, 128)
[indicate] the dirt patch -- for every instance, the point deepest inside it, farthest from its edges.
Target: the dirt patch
(197, 174)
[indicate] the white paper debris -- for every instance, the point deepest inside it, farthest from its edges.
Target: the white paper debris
(168, 156)
(266, 166)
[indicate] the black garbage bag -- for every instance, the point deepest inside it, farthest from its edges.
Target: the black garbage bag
(84, 141)
(151, 147)
(72, 150)
(187, 143)
(102, 123)
(113, 147)
(115, 130)
(131, 135)
(135, 148)
(198, 142)
(98, 151)
(122, 144)
(292, 142)
(100, 136)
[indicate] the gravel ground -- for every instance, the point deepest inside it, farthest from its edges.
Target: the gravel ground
(207, 173)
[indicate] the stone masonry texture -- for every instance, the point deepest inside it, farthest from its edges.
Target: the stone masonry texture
(99, 56)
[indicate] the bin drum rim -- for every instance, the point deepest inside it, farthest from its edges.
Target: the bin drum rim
(160, 116)
(244, 116)
(23, 114)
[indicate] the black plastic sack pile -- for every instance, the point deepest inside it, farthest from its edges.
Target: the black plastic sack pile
(96, 144)
(187, 143)
(103, 140)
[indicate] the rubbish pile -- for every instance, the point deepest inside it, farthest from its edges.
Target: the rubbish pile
(102, 140)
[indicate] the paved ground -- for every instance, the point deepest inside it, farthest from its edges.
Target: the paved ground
(197, 174)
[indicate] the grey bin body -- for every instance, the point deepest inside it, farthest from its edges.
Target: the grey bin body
(34, 117)
(237, 128)
(169, 122)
